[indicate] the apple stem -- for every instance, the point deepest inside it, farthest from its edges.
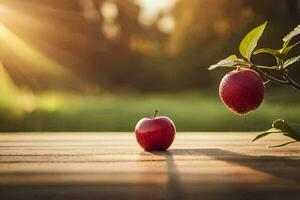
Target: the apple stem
(155, 113)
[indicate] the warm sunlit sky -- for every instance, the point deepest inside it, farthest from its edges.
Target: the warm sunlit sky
(151, 8)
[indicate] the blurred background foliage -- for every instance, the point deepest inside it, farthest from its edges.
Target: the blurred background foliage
(101, 65)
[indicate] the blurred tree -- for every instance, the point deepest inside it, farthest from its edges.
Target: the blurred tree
(104, 42)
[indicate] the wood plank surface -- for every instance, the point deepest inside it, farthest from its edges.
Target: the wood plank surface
(112, 166)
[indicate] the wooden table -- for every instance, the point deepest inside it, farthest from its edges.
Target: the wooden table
(112, 166)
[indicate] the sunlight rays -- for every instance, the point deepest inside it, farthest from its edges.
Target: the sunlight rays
(22, 35)
(28, 21)
(51, 30)
(2, 9)
(14, 100)
(23, 52)
(27, 54)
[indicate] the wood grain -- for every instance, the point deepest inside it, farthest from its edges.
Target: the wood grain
(112, 166)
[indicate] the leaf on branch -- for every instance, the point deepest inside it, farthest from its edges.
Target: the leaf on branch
(265, 133)
(292, 34)
(280, 124)
(295, 128)
(291, 130)
(280, 54)
(286, 49)
(281, 145)
(249, 42)
(291, 61)
(273, 52)
(228, 62)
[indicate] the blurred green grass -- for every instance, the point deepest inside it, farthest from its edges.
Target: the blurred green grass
(191, 111)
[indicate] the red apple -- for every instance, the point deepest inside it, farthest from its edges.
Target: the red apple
(242, 90)
(155, 133)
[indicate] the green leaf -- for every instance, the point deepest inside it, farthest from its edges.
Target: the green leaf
(281, 145)
(273, 52)
(265, 133)
(228, 62)
(249, 42)
(292, 34)
(280, 124)
(291, 130)
(286, 49)
(291, 61)
(295, 129)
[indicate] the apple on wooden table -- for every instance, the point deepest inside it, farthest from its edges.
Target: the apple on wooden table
(155, 133)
